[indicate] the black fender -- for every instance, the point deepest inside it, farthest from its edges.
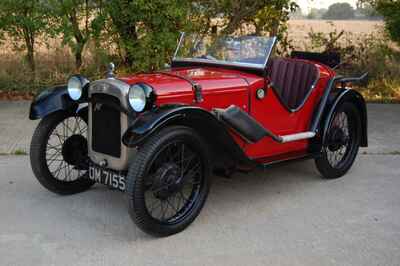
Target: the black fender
(335, 99)
(52, 100)
(214, 132)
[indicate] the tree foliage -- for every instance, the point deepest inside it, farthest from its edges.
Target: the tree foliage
(78, 21)
(367, 11)
(247, 16)
(316, 13)
(145, 32)
(264, 15)
(339, 11)
(273, 17)
(390, 10)
(23, 21)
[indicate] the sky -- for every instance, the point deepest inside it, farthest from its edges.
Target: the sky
(306, 5)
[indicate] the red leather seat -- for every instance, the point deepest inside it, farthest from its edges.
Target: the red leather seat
(292, 80)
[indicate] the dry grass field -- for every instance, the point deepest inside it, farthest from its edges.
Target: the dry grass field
(299, 29)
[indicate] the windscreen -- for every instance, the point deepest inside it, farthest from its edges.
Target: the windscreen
(252, 51)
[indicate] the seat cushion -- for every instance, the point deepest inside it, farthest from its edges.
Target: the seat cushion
(292, 80)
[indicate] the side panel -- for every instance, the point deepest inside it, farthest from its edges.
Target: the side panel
(271, 113)
(216, 95)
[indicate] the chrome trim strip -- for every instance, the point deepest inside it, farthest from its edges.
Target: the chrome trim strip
(274, 39)
(219, 62)
(179, 45)
(297, 136)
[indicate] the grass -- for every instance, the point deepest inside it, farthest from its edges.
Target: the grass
(381, 91)
(18, 152)
(381, 153)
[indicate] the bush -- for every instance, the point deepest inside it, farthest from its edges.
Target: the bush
(372, 53)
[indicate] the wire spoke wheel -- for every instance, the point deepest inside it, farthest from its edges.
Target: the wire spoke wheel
(168, 181)
(342, 142)
(62, 168)
(173, 183)
(59, 152)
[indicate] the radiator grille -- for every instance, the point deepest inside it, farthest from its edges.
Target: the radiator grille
(106, 125)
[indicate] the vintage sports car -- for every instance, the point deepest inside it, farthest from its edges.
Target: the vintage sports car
(225, 104)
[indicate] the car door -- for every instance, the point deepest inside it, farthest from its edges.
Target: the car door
(272, 114)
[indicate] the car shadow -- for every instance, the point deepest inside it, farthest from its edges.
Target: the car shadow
(262, 185)
(108, 208)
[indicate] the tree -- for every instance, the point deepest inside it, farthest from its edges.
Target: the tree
(78, 21)
(367, 11)
(390, 10)
(24, 21)
(339, 11)
(273, 17)
(297, 14)
(147, 30)
(316, 13)
(264, 15)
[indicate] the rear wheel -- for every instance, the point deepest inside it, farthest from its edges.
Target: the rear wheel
(343, 140)
(168, 181)
(59, 153)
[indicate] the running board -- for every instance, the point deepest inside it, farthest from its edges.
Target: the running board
(297, 136)
(251, 130)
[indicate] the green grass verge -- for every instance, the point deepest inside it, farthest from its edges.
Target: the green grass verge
(18, 152)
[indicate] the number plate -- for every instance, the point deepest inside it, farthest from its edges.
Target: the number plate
(107, 177)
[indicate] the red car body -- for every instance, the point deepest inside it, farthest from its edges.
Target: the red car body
(225, 87)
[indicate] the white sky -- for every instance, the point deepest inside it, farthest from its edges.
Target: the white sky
(306, 5)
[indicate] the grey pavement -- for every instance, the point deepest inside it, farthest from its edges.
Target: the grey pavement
(15, 127)
(285, 215)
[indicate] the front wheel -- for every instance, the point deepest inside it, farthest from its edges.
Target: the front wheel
(343, 140)
(168, 181)
(59, 152)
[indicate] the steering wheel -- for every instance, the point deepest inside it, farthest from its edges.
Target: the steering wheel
(207, 56)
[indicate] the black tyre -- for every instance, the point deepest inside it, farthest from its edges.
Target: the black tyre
(168, 181)
(58, 153)
(343, 140)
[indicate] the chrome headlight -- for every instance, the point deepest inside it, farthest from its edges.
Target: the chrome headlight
(137, 98)
(75, 86)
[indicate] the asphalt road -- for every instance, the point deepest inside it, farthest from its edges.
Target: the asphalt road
(285, 215)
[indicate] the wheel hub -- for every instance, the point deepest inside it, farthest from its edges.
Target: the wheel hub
(167, 181)
(337, 139)
(75, 150)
